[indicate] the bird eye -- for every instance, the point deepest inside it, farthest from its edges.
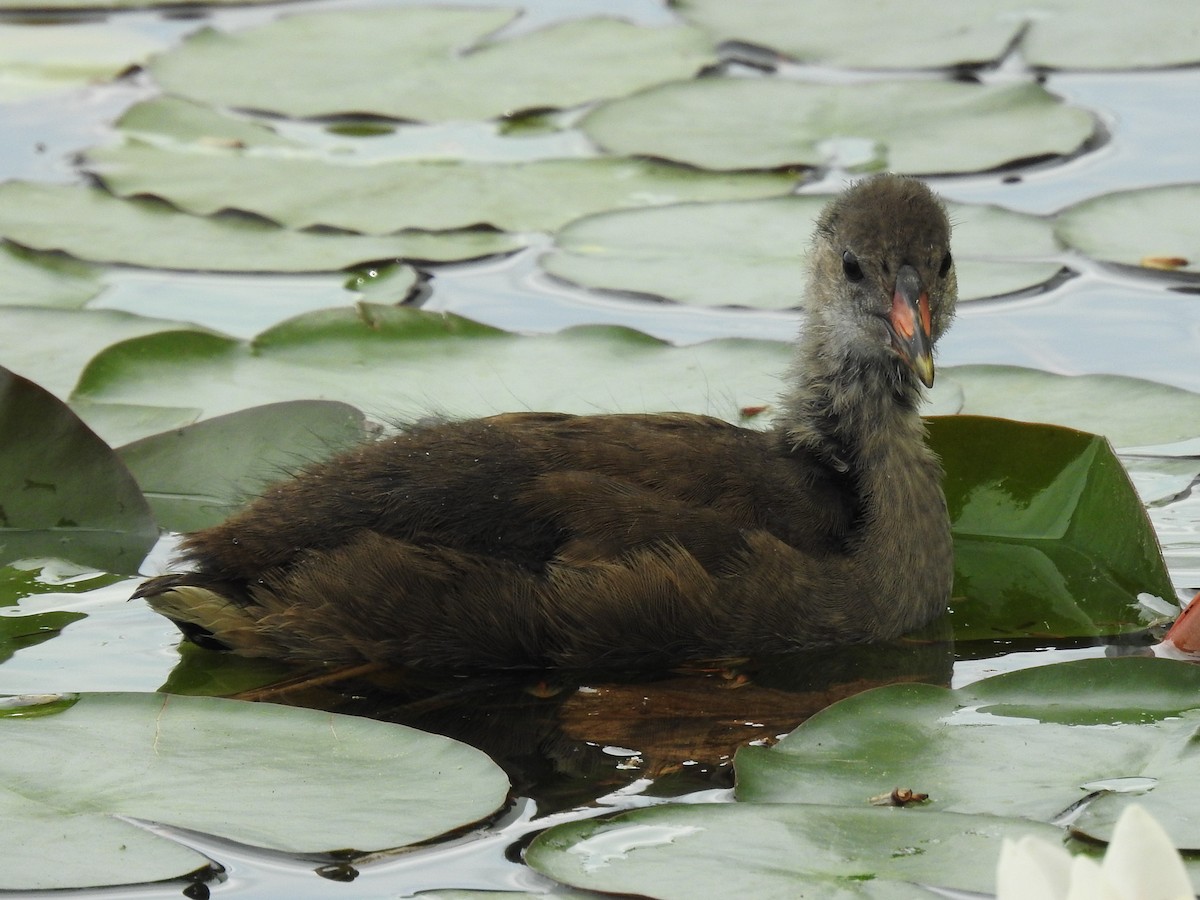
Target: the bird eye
(851, 267)
(947, 262)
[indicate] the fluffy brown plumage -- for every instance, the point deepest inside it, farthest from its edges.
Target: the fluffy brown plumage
(540, 539)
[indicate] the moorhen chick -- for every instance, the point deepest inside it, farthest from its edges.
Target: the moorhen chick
(544, 539)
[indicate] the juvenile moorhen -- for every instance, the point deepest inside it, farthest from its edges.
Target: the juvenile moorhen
(542, 539)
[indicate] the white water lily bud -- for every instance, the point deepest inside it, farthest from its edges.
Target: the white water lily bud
(1141, 863)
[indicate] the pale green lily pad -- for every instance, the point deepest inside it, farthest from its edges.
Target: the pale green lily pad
(401, 362)
(180, 121)
(425, 63)
(195, 477)
(286, 779)
(752, 253)
(63, 492)
(405, 363)
(1030, 743)
(35, 279)
(46, 356)
(72, 54)
(384, 197)
(1128, 227)
(766, 123)
(931, 34)
(693, 851)
(91, 224)
(1128, 411)
(121, 424)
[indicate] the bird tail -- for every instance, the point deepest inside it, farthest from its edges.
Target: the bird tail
(216, 615)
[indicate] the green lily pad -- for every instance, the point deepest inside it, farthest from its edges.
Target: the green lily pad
(124, 423)
(400, 362)
(91, 224)
(45, 355)
(930, 34)
(1128, 411)
(425, 63)
(194, 477)
(1030, 743)
(293, 780)
(384, 197)
(64, 493)
(766, 123)
(179, 121)
(1050, 537)
(1129, 227)
(751, 253)
(71, 55)
(26, 631)
(685, 852)
(37, 279)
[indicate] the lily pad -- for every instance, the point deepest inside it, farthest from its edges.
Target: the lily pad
(751, 253)
(425, 63)
(930, 34)
(685, 852)
(398, 363)
(25, 631)
(40, 279)
(768, 123)
(91, 224)
(124, 423)
(179, 121)
(44, 355)
(384, 197)
(293, 780)
(64, 493)
(1030, 743)
(1128, 411)
(1129, 227)
(1050, 537)
(196, 476)
(71, 55)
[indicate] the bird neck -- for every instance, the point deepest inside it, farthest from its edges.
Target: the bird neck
(860, 418)
(852, 413)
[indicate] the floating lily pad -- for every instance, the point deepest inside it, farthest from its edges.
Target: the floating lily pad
(425, 63)
(195, 477)
(91, 224)
(1050, 537)
(38, 279)
(751, 253)
(1128, 411)
(1129, 227)
(47, 57)
(44, 353)
(766, 123)
(1030, 743)
(433, 194)
(930, 34)
(180, 121)
(693, 851)
(63, 492)
(286, 779)
(120, 424)
(406, 363)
